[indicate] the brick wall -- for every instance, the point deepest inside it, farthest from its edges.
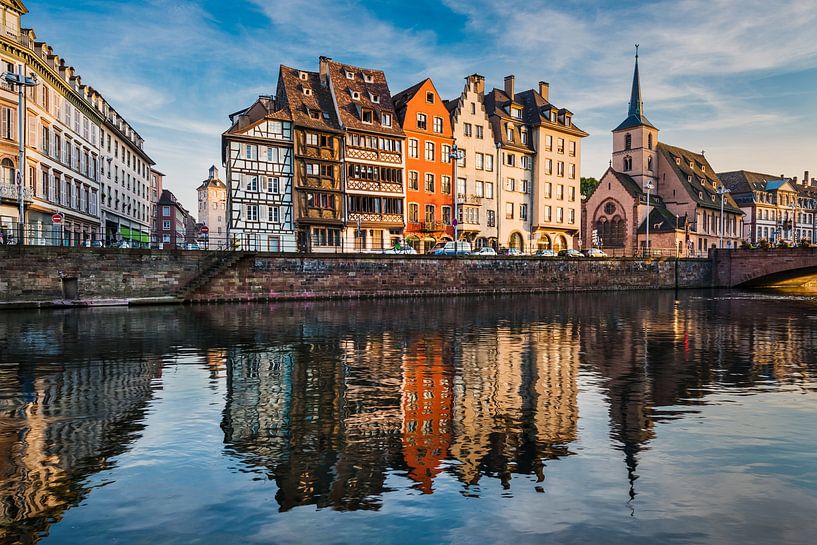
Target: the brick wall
(34, 274)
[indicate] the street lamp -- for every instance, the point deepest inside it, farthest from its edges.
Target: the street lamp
(21, 81)
(722, 191)
(648, 187)
(456, 155)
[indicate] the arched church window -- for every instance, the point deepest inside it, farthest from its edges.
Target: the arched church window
(649, 164)
(628, 164)
(628, 141)
(649, 141)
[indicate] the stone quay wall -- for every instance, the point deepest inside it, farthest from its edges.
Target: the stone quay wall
(38, 273)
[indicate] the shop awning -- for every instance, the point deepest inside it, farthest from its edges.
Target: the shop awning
(132, 234)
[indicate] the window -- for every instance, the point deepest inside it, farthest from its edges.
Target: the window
(350, 75)
(479, 131)
(649, 140)
(311, 139)
(422, 121)
(547, 213)
(524, 186)
(510, 184)
(446, 210)
(252, 183)
(509, 132)
(523, 133)
(413, 180)
(430, 97)
(560, 145)
(460, 187)
(445, 153)
(274, 214)
(526, 161)
(429, 151)
(489, 190)
(385, 120)
(367, 116)
(445, 184)
(479, 161)
(355, 94)
(251, 152)
(414, 151)
(429, 183)
(414, 213)
(252, 212)
(508, 210)
(374, 98)
(649, 164)
(273, 185)
(560, 169)
(166, 238)
(491, 218)
(628, 164)
(560, 192)
(516, 112)
(467, 129)
(473, 107)
(572, 194)
(166, 211)
(438, 125)
(429, 213)
(313, 169)
(560, 215)
(510, 159)
(479, 189)
(461, 160)
(571, 171)
(548, 142)
(571, 148)
(628, 141)
(307, 91)
(328, 171)
(368, 78)
(523, 211)
(489, 163)
(166, 225)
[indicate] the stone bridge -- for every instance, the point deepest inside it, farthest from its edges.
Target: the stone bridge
(779, 267)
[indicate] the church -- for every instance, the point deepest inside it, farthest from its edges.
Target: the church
(683, 214)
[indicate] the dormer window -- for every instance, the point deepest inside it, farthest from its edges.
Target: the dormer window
(367, 116)
(692, 164)
(524, 135)
(326, 115)
(374, 98)
(350, 75)
(678, 161)
(553, 116)
(516, 112)
(368, 78)
(700, 194)
(303, 75)
(385, 120)
(567, 121)
(315, 114)
(307, 91)
(509, 132)
(689, 178)
(355, 94)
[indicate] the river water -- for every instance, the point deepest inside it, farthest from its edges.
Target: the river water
(583, 418)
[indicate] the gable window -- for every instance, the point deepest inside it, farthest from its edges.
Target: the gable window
(467, 127)
(422, 121)
(430, 97)
(438, 125)
(473, 108)
(628, 141)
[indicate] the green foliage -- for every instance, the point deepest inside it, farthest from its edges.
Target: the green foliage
(588, 186)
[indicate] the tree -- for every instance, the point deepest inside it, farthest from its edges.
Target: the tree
(588, 186)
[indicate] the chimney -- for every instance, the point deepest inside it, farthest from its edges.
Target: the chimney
(509, 86)
(476, 83)
(544, 89)
(794, 180)
(324, 70)
(805, 178)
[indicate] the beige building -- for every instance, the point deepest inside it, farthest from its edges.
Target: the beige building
(213, 205)
(477, 170)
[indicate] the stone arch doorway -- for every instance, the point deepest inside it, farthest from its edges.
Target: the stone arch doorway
(559, 243)
(544, 243)
(516, 242)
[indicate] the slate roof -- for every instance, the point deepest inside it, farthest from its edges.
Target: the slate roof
(211, 182)
(537, 112)
(744, 181)
(495, 103)
(291, 92)
(703, 193)
(662, 221)
(349, 108)
(401, 99)
(635, 115)
(266, 107)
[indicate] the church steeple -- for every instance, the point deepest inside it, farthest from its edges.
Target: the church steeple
(635, 115)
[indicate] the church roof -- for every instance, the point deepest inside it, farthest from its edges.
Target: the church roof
(697, 176)
(635, 115)
(662, 221)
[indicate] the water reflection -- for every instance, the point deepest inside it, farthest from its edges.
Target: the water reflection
(330, 401)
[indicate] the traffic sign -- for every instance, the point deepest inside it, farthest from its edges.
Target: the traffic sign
(56, 218)
(205, 230)
(454, 223)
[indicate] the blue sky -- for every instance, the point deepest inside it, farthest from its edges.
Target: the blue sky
(737, 78)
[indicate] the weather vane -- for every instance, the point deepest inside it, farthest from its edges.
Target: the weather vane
(636, 51)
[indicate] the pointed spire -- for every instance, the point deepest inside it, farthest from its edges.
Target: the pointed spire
(636, 103)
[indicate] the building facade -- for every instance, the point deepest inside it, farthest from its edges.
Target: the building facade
(373, 155)
(318, 172)
(171, 220)
(477, 170)
(429, 138)
(257, 151)
(156, 186)
(658, 196)
(212, 198)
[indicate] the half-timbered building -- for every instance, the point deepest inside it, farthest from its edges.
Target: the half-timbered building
(373, 155)
(257, 153)
(317, 142)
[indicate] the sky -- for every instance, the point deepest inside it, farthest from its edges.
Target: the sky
(735, 78)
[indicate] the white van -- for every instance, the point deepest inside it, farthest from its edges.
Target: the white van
(452, 248)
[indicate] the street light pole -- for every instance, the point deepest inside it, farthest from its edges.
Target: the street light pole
(21, 81)
(722, 191)
(455, 155)
(649, 187)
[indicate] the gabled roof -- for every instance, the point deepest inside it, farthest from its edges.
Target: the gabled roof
(703, 187)
(211, 182)
(402, 99)
(536, 111)
(266, 107)
(16, 5)
(662, 221)
(495, 103)
(302, 106)
(366, 83)
(744, 181)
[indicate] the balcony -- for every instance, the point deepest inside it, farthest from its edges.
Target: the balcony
(12, 191)
(374, 186)
(469, 199)
(319, 214)
(432, 226)
(374, 218)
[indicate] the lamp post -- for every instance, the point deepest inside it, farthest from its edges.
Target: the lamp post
(456, 155)
(794, 222)
(21, 81)
(648, 187)
(722, 191)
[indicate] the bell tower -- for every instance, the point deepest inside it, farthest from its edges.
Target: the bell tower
(635, 139)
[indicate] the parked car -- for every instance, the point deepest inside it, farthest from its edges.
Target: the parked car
(595, 252)
(545, 253)
(121, 244)
(485, 250)
(511, 251)
(192, 246)
(402, 250)
(452, 248)
(93, 244)
(571, 253)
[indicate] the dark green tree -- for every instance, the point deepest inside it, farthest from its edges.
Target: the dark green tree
(588, 185)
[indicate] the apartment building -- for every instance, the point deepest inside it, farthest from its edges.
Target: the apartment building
(156, 186)
(257, 151)
(373, 155)
(478, 166)
(429, 138)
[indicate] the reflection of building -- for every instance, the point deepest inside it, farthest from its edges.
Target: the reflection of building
(427, 404)
(59, 428)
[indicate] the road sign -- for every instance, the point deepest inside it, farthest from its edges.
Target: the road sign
(454, 223)
(56, 218)
(205, 230)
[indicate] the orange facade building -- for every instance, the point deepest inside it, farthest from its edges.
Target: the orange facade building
(429, 137)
